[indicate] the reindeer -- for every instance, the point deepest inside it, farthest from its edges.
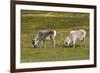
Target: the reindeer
(74, 36)
(42, 36)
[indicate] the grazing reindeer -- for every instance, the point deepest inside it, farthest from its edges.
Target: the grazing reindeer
(41, 37)
(74, 36)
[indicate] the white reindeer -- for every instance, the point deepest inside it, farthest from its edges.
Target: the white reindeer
(74, 36)
(42, 36)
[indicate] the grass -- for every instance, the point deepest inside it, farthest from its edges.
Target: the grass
(63, 23)
(54, 54)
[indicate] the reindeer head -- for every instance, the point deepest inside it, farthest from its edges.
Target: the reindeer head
(67, 41)
(34, 43)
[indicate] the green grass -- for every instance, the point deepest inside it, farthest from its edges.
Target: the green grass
(54, 54)
(63, 23)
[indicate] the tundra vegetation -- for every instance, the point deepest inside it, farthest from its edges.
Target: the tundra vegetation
(63, 22)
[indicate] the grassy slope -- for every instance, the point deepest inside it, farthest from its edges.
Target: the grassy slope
(33, 21)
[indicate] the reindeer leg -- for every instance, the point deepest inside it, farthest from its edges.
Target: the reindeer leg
(40, 44)
(84, 45)
(53, 43)
(81, 42)
(74, 44)
(44, 45)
